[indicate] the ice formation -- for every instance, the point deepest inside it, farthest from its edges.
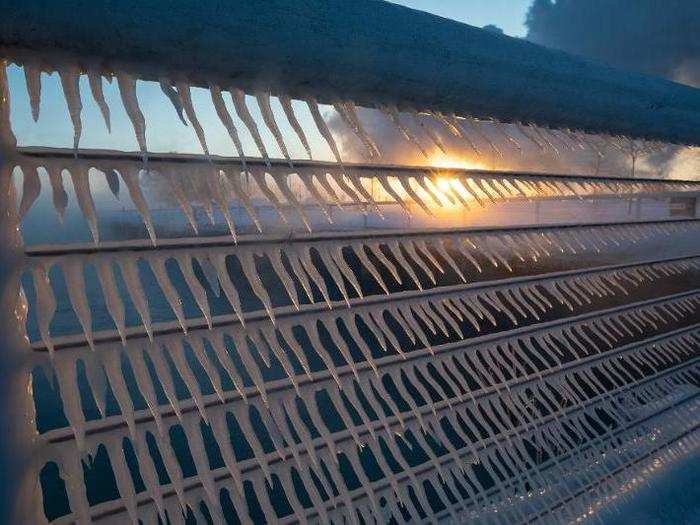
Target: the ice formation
(412, 374)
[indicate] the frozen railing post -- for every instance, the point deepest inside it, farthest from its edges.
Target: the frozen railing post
(508, 374)
(17, 485)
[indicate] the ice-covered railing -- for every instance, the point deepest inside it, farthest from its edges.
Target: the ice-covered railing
(297, 370)
(401, 59)
(306, 194)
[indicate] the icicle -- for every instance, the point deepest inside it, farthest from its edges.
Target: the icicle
(286, 103)
(75, 282)
(31, 188)
(347, 112)
(184, 261)
(322, 179)
(356, 180)
(174, 471)
(218, 260)
(110, 358)
(183, 90)
(59, 195)
(216, 191)
(260, 181)
(226, 120)
(239, 193)
(112, 179)
(218, 344)
(359, 250)
(386, 185)
(95, 80)
(392, 114)
(429, 131)
(318, 198)
(45, 304)
(113, 301)
(71, 468)
(177, 353)
(120, 468)
(81, 184)
(127, 91)
(172, 94)
(157, 354)
(130, 273)
(183, 201)
(239, 103)
(339, 179)
(247, 260)
(268, 116)
(307, 264)
(157, 264)
(406, 185)
(323, 128)
(67, 376)
(32, 76)
(130, 176)
(70, 82)
(207, 363)
(283, 185)
(395, 249)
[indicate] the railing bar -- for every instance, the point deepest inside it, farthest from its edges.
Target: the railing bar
(46, 250)
(65, 434)
(153, 157)
(198, 324)
(382, 484)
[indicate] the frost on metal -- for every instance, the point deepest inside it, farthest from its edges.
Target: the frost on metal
(344, 376)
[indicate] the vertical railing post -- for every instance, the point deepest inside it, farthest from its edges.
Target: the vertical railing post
(18, 483)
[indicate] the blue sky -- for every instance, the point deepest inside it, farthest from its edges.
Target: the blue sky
(166, 133)
(509, 15)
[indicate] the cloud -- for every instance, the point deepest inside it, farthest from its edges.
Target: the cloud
(656, 37)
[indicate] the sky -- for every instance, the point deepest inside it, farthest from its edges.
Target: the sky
(509, 15)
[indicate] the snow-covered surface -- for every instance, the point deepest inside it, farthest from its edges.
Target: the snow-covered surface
(368, 51)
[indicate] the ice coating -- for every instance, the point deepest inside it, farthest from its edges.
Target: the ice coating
(70, 82)
(492, 371)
